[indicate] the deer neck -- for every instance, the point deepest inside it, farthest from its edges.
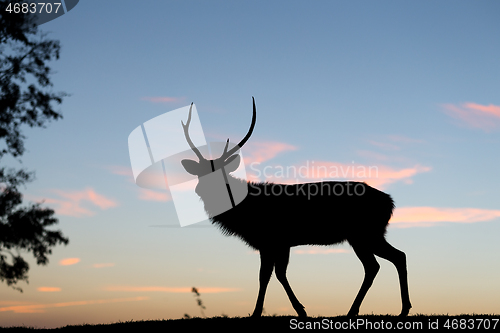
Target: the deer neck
(213, 201)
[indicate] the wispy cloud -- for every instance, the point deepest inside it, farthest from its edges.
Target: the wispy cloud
(384, 145)
(71, 203)
(320, 250)
(389, 149)
(150, 195)
(120, 170)
(203, 290)
(484, 117)
(144, 194)
(491, 109)
(102, 265)
(69, 261)
(429, 216)
(375, 175)
(264, 150)
(388, 175)
(164, 99)
(48, 289)
(40, 308)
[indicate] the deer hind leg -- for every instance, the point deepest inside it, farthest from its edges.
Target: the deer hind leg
(398, 258)
(371, 267)
(280, 267)
(266, 269)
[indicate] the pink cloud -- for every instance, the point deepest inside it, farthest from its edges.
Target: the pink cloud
(429, 216)
(150, 195)
(99, 200)
(490, 109)
(48, 289)
(144, 194)
(164, 99)
(264, 150)
(375, 175)
(69, 261)
(388, 175)
(259, 152)
(485, 117)
(40, 308)
(70, 203)
(202, 290)
(69, 208)
(120, 170)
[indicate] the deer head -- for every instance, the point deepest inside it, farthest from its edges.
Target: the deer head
(204, 166)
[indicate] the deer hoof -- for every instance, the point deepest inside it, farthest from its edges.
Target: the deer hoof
(352, 313)
(405, 312)
(256, 315)
(301, 312)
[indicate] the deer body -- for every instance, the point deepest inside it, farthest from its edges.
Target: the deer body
(275, 217)
(267, 221)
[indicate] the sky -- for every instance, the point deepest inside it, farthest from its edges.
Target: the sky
(407, 88)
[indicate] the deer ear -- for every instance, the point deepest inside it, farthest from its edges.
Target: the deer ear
(232, 163)
(191, 166)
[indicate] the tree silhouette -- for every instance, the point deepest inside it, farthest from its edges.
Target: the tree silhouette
(25, 99)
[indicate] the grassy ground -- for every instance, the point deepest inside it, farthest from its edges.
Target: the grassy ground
(284, 323)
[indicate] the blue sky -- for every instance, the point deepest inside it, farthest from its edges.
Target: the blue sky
(409, 87)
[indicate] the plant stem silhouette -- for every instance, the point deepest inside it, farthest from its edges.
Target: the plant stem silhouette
(198, 300)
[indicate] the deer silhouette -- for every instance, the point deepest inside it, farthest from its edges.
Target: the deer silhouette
(275, 217)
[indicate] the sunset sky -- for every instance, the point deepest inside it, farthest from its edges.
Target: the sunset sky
(409, 88)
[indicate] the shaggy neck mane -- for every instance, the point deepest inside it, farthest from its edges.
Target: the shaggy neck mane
(237, 220)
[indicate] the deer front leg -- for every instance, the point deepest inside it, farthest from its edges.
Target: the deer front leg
(266, 269)
(280, 266)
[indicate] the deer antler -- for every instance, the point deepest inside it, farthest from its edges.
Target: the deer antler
(186, 134)
(226, 154)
